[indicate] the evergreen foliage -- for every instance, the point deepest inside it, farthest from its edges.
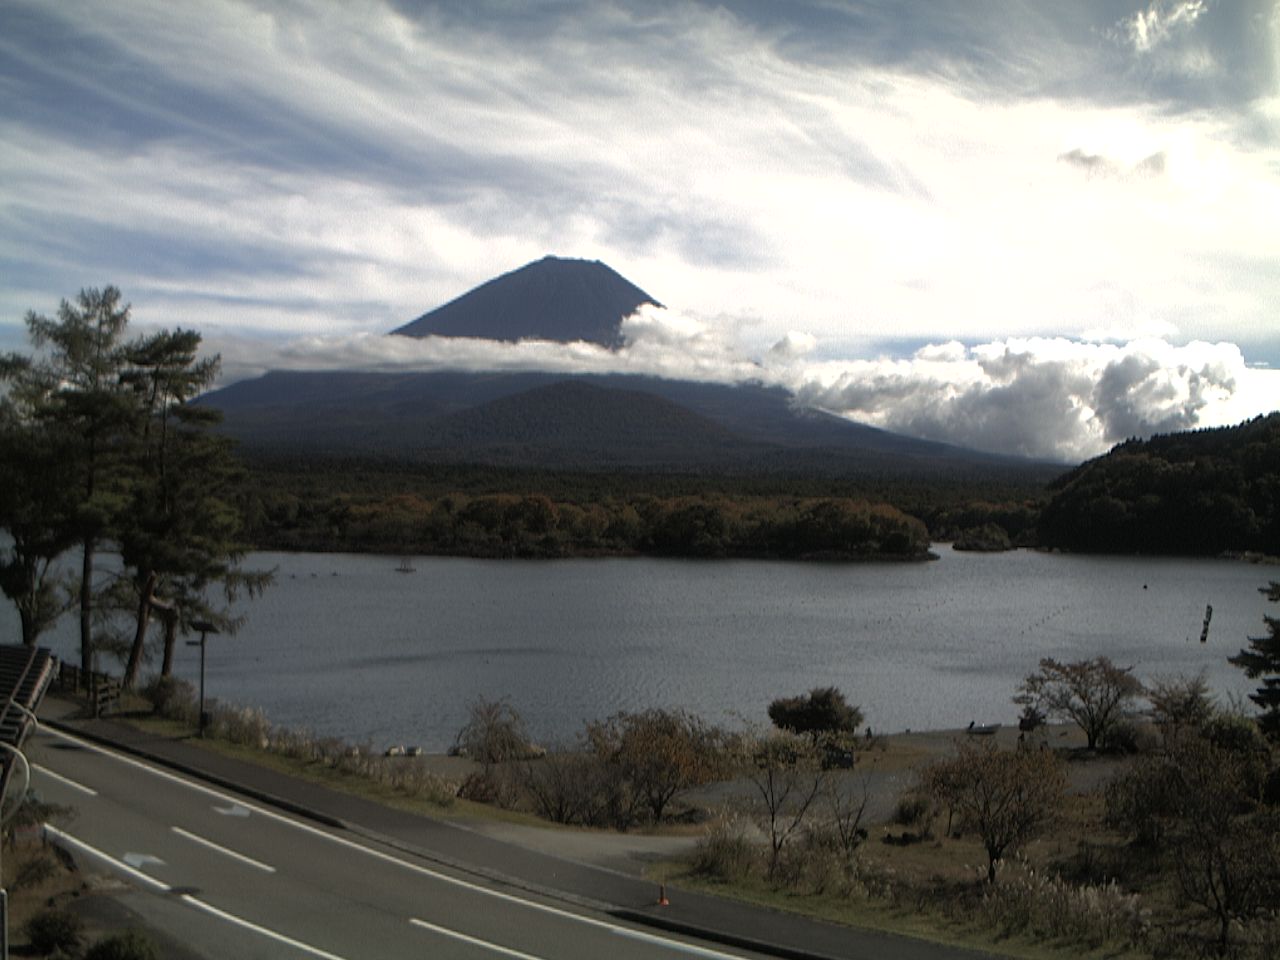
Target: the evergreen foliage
(823, 710)
(101, 445)
(1262, 659)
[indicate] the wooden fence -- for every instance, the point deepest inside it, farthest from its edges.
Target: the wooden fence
(103, 689)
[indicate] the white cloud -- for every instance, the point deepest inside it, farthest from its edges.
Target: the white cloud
(1049, 398)
(409, 158)
(327, 172)
(1149, 28)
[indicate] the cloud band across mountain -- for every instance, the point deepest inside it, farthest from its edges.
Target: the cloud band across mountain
(1052, 398)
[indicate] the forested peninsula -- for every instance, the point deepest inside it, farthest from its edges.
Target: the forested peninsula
(535, 525)
(1198, 493)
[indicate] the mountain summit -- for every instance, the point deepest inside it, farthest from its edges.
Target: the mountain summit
(550, 299)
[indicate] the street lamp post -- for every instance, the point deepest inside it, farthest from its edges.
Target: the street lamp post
(205, 628)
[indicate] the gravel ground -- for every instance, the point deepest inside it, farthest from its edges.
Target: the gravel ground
(883, 772)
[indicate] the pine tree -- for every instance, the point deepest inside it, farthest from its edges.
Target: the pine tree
(36, 507)
(180, 533)
(76, 391)
(1262, 659)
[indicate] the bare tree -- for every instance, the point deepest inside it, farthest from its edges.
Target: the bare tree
(658, 752)
(1225, 842)
(788, 778)
(1095, 694)
(847, 808)
(494, 733)
(1180, 703)
(1006, 797)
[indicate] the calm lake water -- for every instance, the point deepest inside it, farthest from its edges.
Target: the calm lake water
(346, 645)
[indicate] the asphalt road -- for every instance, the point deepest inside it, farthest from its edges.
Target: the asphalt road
(234, 879)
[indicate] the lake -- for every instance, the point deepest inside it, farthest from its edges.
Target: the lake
(347, 645)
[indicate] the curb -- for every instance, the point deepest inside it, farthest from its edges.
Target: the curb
(768, 948)
(262, 796)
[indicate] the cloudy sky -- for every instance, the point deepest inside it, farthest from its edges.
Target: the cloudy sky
(1034, 227)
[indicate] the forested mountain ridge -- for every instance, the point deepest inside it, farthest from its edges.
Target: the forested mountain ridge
(1201, 492)
(594, 421)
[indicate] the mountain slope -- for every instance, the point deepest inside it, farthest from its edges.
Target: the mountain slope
(542, 419)
(536, 419)
(551, 299)
(1200, 492)
(576, 423)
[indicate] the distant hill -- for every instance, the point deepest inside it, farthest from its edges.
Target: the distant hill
(1202, 492)
(590, 422)
(551, 299)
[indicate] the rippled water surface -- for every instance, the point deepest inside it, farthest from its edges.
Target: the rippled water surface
(346, 645)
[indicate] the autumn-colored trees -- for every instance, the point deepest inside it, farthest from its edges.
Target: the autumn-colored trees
(1096, 694)
(536, 525)
(657, 753)
(1006, 797)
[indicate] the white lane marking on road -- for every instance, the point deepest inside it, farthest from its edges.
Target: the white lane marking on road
(195, 838)
(66, 838)
(235, 810)
(628, 932)
(256, 928)
(66, 781)
(62, 836)
(140, 860)
(474, 941)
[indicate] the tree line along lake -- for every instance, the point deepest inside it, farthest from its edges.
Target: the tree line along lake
(350, 645)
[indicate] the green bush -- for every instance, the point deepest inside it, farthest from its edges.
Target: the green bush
(54, 931)
(130, 945)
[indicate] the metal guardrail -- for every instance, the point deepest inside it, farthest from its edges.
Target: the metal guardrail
(25, 673)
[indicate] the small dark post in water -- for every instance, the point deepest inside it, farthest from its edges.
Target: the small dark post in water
(1208, 615)
(205, 628)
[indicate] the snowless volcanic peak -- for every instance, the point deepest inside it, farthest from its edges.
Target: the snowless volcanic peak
(551, 299)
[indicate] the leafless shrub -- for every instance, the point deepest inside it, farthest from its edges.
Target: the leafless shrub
(788, 777)
(726, 854)
(494, 733)
(575, 786)
(246, 726)
(1046, 907)
(171, 698)
(818, 864)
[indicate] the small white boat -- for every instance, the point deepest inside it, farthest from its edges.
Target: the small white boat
(405, 566)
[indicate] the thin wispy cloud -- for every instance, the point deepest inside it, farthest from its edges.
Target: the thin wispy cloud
(836, 183)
